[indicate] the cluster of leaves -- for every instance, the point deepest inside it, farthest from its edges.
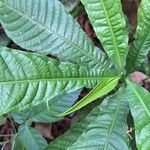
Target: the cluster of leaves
(34, 87)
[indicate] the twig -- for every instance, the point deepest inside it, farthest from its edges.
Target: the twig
(6, 135)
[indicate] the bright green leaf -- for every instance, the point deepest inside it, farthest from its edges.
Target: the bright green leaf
(47, 113)
(28, 79)
(139, 100)
(141, 46)
(109, 24)
(45, 27)
(103, 128)
(31, 138)
(100, 90)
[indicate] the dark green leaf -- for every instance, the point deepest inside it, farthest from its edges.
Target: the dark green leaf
(47, 113)
(141, 46)
(109, 24)
(28, 79)
(31, 138)
(45, 27)
(4, 40)
(139, 100)
(103, 128)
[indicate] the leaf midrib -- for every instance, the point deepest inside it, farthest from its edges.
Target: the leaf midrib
(99, 115)
(52, 31)
(85, 129)
(112, 33)
(54, 79)
(112, 126)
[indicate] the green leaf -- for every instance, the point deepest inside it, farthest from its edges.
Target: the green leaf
(103, 128)
(45, 27)
(4, 40)
(139, 101)
(2, 120)
(100, 90)
(47, 113)
(18, 144)
(28, 79)
(31, 138)
(109, 24)
(70, 5)
(141, 46)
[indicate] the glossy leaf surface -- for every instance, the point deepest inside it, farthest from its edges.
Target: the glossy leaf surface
(100, 90)
(45, 27)
(28, 79)
(139, 100)
(109, 24)
(103, 128)
(141, 45)
(47, 113)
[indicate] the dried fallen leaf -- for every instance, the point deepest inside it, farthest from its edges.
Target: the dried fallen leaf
(138, 77)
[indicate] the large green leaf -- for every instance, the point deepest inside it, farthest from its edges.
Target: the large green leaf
(109, 24)
(44, 26)
(47, 113)
(103, 128)
(141, 46)
(139, 100)
(100, 90)
(31, 138)
(28, 79)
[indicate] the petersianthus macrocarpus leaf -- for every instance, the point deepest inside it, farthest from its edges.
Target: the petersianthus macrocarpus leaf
(31, 138)
(141, 45)
(99, 90)
(103, 128)
(47, 112)
(45, 27)
(139, 101)
(28, 79)
(4, 40)
(17, 144)
(69, 5)
(109, 24)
